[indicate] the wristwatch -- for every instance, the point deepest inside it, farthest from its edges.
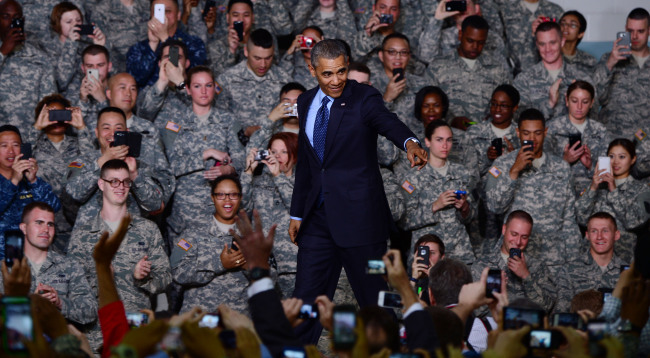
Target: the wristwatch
(180, 86)
(257, 273)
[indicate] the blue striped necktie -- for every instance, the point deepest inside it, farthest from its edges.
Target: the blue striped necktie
(320, 128)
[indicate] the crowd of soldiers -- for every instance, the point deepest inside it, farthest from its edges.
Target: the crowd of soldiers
(516, 119)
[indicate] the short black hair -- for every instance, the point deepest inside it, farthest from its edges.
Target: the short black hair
(423, 92)
(446, 278)
(95, 50)
(603, 215)
(35, 205)
(430, 238)
(549, 26)
(583, 85)
(315, 28)
(10, 128)
(110, 109)
(171, 42)
(232, 177)
(247, 2)
(292, 86)
(475, 22)
(329, 49)
(113, 164)
(359, 67)
(520, 215)
(395, 35)
(581, 20)
(510, 91)
(261, 38)
(639, 14)
(431, 127)
(531, 114)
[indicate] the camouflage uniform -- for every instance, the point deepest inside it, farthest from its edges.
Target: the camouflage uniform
(27, 76)
(169, 105)
(142, 62)
(37, 15)
(393, 194)
(420, 190)
(146, 195)
(192, 202)
(142, 239)
(249, 97)
(469, 90)
(582, 274)
(547, 195)
(271, 196)
(623, 93)
(582, 59)
(535, 82)
(54, 170)
(67, 277)
(340, 26)
(404, 103)
(538, 287)
(295, 65)
(65, 56)
(196, 265)
(595, 137)
(518, 20)
(13, 200)
(270, 15)
(122, 26)
(361, 9)
(642, 166)
(480, 138)
(628, 203)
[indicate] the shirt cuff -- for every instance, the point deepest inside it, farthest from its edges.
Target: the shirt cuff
(414, 307)
(408, 139)
(260, 285)
(295, 218)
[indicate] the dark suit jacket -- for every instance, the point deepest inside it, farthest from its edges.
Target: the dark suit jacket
(355, 203)
(270, 322)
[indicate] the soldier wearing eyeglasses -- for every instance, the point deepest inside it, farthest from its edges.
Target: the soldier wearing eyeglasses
(147, 193)
(140, 267)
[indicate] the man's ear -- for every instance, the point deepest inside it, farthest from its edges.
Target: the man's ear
(23, 228)
(108, 94)
(110, 67)
(246, 51)
(432, 299)
(100, 184)
(312, 70)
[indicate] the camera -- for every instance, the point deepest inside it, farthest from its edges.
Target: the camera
(261, 155)
(85, 29)
(460, 5)
(423, 255)
(568, 320)
(307, 42)
(18, 324)
(345, 321)
(386, 18)
(389, 300)
(544, 339)
(294, 110)
(239, 28)
(460, 193)
(575, 138)
(26, 151)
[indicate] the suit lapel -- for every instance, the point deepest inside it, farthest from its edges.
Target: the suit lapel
(306, 99)
(336, 115)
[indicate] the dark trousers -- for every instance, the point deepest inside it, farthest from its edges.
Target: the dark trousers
(319, 267)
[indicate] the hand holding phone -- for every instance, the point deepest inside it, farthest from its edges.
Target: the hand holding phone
(624, 40)
(18, 324)
(344, 325)
(493, 283)
(239, 27)
(159, 12)
(14, 246)
(605, 163)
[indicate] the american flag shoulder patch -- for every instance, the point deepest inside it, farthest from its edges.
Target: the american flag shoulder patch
(184, 245)
(408, 187)
(495, 172)
(172, 126)
(640, 134)
(77, 165)
(217, 88)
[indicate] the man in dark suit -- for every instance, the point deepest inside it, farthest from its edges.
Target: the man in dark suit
(339, 212)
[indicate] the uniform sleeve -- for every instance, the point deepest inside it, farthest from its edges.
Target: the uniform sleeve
(185, 159)
(235, 148)
(429, 46)
(195, 266)
(79, 305)
(418, 211)
(565, 291)
(151, 103)
(82, 182)
(499, 188)
(570, 230)
(284, 184)
(301, 13)
(146, 190)
(362, 44)
(141, 62)
(247, 190)
(629, 210)
(584, 206)
(196, 50)
(160, 276)
(42, 191)
(7, 192)
(78, 248)
(66, 64)
(540, 289)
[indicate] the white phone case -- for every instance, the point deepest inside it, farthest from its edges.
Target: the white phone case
(604, 163)
(159, 12)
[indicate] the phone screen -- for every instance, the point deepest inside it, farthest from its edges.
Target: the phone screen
(173, 55)
(26, 151)
(308, 311)
(344, 324)
(14, 244)
(515, 318)
(376, 267)
(18, 323)
(390, 300)
(493, 283)
(210, 320)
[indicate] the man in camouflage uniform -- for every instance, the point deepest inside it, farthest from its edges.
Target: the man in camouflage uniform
(467, 76)
(542, 85)
(296, 60)
(141, 267)
(227, 50)
(335, 19)
(25, 73)
(540, 184)
(206, 262)
(248, 85)
(398, 90)
(59, 279)
(574, 26)
(205, 146)
(527, 275)
(270, 15)
(150, 187)
(623, 82)
(141, 60)
(86, 91)
(519, 18)
(599, 267)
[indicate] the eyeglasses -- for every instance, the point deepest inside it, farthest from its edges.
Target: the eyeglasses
(116, 182)
(231, 196)
(572, 25)
(500, 105)
(395, 53)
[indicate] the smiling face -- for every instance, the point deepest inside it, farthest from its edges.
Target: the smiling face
(501, 108)
(69, 20)
(602, 235)
(226, 209)
(241, 12)
(440, 143)
(107, 125)
(331, 74)
(9, 149)
(114, 196)
(516, 234)
(395, 54)
(432, 108)
(579, 102)
(621, 162)
(549, 44)
(39, 229)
